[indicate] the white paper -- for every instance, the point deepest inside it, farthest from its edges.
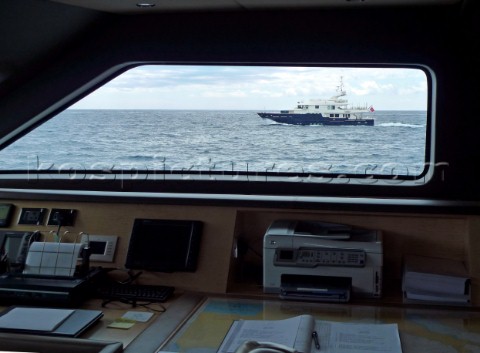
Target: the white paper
(35, 319)
(48, 258)
(428, 274)
(139, 316)
(289, 332)
(339, 337)
(333, 337)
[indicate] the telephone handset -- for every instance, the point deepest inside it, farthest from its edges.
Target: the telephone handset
(14, 248)
(264, 347)
(25, 243)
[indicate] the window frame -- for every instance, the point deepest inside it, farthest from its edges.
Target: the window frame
(219, 182)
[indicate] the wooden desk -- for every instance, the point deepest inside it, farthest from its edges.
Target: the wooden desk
(113, 311)
(421, 329)
(144, 337)
(195, 322)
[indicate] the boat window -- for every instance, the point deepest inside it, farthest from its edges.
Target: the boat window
(236, 123)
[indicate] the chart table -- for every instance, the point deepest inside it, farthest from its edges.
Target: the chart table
(424, 330)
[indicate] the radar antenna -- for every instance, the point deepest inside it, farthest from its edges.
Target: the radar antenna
(340, 90)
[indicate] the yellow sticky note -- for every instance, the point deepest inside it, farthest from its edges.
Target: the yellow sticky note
(122, 323)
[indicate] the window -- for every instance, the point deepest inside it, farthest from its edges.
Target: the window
(232, 123)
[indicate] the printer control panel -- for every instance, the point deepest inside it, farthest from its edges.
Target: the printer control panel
(312, 257)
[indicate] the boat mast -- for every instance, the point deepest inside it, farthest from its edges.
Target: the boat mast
(340, 90)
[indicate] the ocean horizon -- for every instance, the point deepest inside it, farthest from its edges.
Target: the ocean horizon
(219, 140)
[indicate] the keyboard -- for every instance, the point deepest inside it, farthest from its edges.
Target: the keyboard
(136, 292)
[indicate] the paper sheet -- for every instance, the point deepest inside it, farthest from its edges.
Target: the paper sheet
(294, 332)
(339, 337)
(139, 316)
(334, 337)
(48, 258)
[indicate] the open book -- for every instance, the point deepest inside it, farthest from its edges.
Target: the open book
(298, 333)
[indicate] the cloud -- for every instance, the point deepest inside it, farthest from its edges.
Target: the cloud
(251, 87)
(421, 87)
(370, 87)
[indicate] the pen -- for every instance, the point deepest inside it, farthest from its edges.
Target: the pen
(316, 340)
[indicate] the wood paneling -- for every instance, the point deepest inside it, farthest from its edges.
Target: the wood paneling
(448, 236)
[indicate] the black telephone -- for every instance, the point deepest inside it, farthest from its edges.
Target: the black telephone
(14, 248)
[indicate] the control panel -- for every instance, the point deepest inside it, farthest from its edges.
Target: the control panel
(312, 257)
(61, 217)
(32, 216)
(6, 211)
(102, 247)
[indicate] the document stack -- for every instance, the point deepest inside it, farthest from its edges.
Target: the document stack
(435, 281)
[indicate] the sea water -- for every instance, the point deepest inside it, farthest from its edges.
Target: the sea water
(219, 140)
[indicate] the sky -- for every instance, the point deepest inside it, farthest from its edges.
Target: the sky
(257, 88)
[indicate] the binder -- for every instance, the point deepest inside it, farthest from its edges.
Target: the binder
(48, 321)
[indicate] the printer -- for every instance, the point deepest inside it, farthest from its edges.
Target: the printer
(322, 261)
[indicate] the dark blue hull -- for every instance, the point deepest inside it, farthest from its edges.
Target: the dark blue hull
(313, 119)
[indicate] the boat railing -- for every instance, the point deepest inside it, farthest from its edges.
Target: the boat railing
(359, 107)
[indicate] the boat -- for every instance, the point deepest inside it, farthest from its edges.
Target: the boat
(333, 111)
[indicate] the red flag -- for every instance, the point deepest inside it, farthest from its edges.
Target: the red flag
(371, 109)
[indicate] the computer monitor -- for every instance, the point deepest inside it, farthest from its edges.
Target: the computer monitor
(164, 245)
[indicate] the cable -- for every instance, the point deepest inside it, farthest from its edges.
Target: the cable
(134, 303)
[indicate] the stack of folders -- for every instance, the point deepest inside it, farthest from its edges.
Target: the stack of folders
(435, 281)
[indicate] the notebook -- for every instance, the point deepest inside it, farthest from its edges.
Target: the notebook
(48, 321)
